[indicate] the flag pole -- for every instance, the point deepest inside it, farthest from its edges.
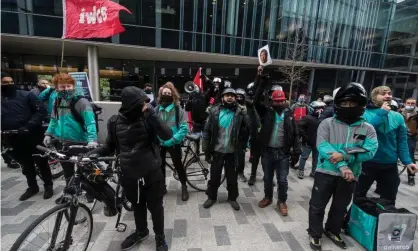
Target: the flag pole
(62, 52)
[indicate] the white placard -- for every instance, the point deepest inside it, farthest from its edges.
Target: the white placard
(264, 56)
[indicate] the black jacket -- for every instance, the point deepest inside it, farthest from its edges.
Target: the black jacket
(197, 104)
(241, 128)
(291, 136)
(308, 128)
(254, 118)
(22, 110)
(135, 138)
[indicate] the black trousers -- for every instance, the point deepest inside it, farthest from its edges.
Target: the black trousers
(240, 160)
(324, 187)
(412, 143)
(23, 147)
(151, 198)
(175, 153)
(220, 161)
(198, 128)
(386, 176)
(256, 155)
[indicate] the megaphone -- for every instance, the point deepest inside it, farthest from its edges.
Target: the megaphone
(191, 87)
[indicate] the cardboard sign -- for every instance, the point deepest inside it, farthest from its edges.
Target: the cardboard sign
(82, 83)
(264, 56)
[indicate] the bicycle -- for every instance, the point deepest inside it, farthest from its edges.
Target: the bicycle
(56, 168)
(193, 171)
(88, 176)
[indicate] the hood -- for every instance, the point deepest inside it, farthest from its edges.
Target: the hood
(372, 105)
(131, 98)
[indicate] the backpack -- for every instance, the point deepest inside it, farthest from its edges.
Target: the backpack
(177, 114)
(97, 110)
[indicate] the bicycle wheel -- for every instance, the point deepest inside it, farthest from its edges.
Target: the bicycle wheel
(198, 174)
(31, 239)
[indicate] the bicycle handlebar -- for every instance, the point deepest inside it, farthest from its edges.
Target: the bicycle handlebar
(80, 147)
(73, 159)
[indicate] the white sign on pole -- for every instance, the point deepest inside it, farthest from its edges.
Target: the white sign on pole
(264, 56)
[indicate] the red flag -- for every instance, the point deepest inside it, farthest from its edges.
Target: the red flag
(197, 80)
(91, 18)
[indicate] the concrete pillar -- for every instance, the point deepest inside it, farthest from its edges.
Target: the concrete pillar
(94, 71)
(385, 77)
(362, 75)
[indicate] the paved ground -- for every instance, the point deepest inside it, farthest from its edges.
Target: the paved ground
(188, 225)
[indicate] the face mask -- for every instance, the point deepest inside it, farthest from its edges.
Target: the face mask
(148, 91)
(241, 101)
(349, 115)
(66, 94)
(8, 90)
(279, 108)
(166, 100)
(409, 108)
(229, 105)
(301, 100)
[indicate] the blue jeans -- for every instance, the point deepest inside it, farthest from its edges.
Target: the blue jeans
(306, 151)
(412, 143)
(275, 160)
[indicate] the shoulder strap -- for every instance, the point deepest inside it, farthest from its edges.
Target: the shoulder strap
(177, 115)
(77, 116)
(57, 103)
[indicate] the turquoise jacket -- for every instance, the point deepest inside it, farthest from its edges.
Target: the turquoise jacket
(391, 134)
(64, 127)
(335, 136)
(49, 102)
(168, 115)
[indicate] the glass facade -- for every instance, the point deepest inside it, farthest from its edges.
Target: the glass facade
(364, 33)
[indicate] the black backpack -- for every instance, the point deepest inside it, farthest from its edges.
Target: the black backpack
(97, 110)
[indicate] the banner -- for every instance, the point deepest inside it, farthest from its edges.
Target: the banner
(91, 18)
(197, 80)
(82, 83)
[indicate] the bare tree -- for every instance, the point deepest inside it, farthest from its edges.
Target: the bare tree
(296, 48)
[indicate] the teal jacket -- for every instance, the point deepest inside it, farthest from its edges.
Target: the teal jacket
(391, 134)
(168, 115)
(64, 127)
(48, 101)
(334, 136)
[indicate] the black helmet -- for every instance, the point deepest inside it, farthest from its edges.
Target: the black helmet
(351, 91)
(229, 90)
(315, 105)
(240, 91)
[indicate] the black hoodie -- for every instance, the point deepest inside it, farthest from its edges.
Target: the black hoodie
(133, 134)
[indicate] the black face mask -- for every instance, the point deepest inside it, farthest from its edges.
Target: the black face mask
(349, 115)
(166, 100)
(241, 101)
(148, 91)
(229, 105)
(8, 90)
(278, 108)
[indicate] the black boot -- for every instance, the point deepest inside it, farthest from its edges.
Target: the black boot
(29, 193)
(49, 192)
(184, 193)
(160, 243)
(251, 181)
(411, 180)
(134, 239)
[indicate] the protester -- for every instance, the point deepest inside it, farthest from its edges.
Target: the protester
(329, 110)
(278, 136)
(338, 168)
(22, 111)
(410, 114)
(392, 136)
(308, 127)
(64, 125)
(133, 136)
(221, 137)
(42, 85)
(300, 108)
(175, 118)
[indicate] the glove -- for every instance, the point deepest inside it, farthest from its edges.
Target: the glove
(168, 143)
(294, 159)
(47, 140)
(92, 144)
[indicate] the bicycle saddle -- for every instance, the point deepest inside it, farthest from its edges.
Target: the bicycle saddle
(193, 137)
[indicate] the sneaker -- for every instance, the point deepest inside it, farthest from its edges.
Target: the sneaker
(29, 193)
(251, 181)
(411, 180)
(49, 192)
(301, 174)
(315, 243)
(13, 165)
(282, 208)
(184, 193)
(294, 167)
(336, 238)
(208, 203)
(264, 202)
(160, 243)
(312, 175)
(234, 204)
(242, 177)
(134, 239)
